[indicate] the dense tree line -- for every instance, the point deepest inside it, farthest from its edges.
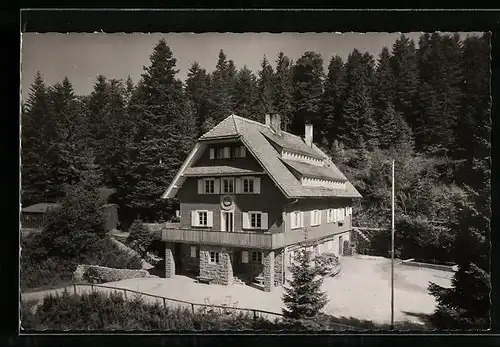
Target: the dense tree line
(425, 104)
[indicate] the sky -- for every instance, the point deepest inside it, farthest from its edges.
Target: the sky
(83, 56)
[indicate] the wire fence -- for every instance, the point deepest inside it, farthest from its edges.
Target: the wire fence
(207, 308)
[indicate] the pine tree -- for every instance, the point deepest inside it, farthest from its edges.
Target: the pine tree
(245, 94)
(35, 139)
(164, 128)
(198, 89)
(405, 73)
(129, 90)
(383, 82)
(333, 98)
(221, 103)
(265, 89)
(304, 299)
(308, 78)
(283, 90)
(439, 94)
(358, 123)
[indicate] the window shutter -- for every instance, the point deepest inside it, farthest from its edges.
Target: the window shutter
(210, 219)
(194, 218)
(246, 221)
(263, 221)
(292, 221)
(200, 186)
(244, 257)
(301, 219)
(227, 152)
(237, 185)
(212, 153)
(312, 221)
(335, 217)
(256, 185)
(217, 186)
(193, 251)
(319, 217)
(243, 151)
(261, 257)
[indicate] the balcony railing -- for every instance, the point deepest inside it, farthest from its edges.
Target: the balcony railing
(251, 239)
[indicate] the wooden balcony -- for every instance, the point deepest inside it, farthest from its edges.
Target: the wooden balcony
(220, 238)
(258, 240)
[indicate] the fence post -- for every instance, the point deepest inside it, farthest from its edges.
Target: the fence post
(254, 314)
(91, 288)
(164, 304)
(192, 307)
(125, 294)
(74, 288)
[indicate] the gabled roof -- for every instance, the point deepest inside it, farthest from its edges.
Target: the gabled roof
(258, 138)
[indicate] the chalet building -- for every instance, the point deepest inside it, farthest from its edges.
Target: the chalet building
(250, 194)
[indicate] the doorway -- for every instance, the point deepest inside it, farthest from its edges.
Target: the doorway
(227, 221)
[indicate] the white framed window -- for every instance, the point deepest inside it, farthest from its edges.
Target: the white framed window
(257, 257)
(227, 185)
(202, 218)
(248, 185)
(255, 220)
(329, 215)
(341, 214)
(239, 152)
(315, 217)
(220, 153)
(208, 186)
(193, 251)
(215, 257)
(212, 153)
(296, 219)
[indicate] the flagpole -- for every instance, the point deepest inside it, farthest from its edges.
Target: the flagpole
(392, 252)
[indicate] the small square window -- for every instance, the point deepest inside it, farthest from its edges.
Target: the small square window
(228, 185)
(248, 185)
(215, 257)
(220, 152)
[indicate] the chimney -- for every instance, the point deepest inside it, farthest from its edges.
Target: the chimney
(309, 134)
(268, 120)
(276, 123)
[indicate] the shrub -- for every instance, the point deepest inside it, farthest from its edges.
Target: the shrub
(140, 238)
(101, 274)
(106, 253)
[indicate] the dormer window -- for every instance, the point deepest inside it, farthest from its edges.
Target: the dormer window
(239, 152)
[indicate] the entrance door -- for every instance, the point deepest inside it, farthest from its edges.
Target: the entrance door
(227, 221)
(341, 246)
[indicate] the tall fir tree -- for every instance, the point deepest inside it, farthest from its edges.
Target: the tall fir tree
(358, 124)
(308, 76)
(283, 90)
(164, 128)
(439, 93)
(245, 94)
(198, 90)
(36, 131)
(405, 78)
(333, 97)
(129, 90)
(265, 87)
(304, 299)
(221, 103)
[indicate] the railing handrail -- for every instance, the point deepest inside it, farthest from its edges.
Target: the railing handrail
(220, 231)
(171, 299)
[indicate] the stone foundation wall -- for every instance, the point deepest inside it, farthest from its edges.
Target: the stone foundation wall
(278, 267)
(268, 260)
(169, 260)
(222, 273)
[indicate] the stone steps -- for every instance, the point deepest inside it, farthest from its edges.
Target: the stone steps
(238, 281)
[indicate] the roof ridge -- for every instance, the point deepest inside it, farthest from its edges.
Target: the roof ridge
(235, 125)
